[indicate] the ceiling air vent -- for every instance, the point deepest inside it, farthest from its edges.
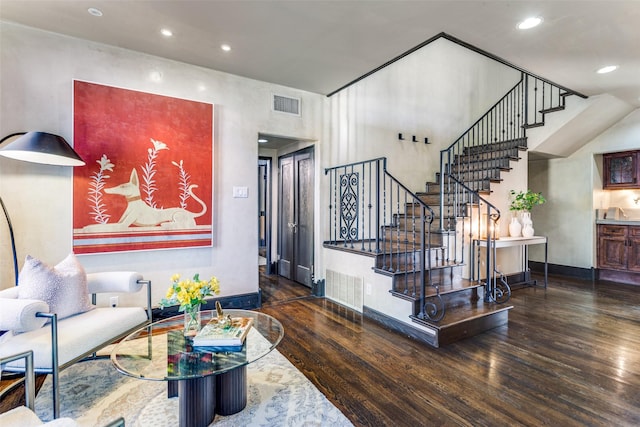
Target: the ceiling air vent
(287, 105)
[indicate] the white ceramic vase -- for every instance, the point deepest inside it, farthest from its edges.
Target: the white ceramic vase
(527, 225)
(515, 228)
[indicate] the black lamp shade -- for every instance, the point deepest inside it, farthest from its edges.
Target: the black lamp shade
(41, 147)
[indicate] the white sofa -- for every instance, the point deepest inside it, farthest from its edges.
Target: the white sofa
(61, 343)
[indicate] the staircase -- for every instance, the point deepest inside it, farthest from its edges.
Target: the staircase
(396, 227)
(422, 241)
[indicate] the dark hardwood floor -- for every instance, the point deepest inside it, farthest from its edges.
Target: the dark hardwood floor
(570, 356)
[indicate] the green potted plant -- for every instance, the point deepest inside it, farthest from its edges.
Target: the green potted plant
(522, 202)
(525, 200)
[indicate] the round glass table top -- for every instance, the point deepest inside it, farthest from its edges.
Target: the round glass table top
(161, 352)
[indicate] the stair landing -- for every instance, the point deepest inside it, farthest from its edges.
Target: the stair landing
(466, 321)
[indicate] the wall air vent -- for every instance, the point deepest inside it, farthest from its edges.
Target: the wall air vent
(287, 105)
(344, 289)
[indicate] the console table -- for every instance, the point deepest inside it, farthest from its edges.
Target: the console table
(511, 242)
(206, 382)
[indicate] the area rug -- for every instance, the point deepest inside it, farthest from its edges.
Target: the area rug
(94, 393)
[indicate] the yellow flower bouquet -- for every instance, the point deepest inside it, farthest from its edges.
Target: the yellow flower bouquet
(190, 294)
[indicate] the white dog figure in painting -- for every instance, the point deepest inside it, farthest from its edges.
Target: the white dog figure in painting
(140, 214)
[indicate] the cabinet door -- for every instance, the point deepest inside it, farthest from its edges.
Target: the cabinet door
(612, 247)
(621, 170)
(633, 250)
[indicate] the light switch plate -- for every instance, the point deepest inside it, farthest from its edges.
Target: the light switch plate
(240, 192)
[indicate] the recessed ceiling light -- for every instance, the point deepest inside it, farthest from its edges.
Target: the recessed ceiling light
(262, 140)
(225, 47)
(95, 12)
(530, 23)
(607, 69)
(155, 76)
(166, 32)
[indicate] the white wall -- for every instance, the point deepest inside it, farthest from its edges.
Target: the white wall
(573, 188)
(36, 73)
(437, 92)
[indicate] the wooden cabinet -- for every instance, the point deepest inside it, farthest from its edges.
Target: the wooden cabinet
(619, 247)
(633, 252)
(612, 246)
(621, 170)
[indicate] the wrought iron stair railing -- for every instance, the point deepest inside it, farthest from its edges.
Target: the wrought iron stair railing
(478, 223)
(480, 153)
(371, 211)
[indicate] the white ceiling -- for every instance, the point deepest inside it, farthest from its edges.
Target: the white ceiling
(320, 46)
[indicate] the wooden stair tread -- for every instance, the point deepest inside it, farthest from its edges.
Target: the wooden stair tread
(464, 314)
(533, 125)
(494, 147)
(434, 266)
(552, 109)
(480, 165)
(458, 285)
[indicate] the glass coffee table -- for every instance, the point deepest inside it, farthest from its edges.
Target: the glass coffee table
(206, 382)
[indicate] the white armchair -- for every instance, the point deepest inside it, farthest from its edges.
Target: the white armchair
(64, 342)
(24, 416)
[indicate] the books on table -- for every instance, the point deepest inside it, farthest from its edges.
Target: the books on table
(216, 336)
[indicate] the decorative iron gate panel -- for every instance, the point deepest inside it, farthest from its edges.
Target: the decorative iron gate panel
(349, 205)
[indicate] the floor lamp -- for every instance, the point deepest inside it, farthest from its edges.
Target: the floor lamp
(35, 147)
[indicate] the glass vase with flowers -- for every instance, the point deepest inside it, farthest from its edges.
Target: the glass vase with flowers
(190, 294)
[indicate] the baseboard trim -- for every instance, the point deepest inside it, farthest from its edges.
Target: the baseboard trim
(399, 326)
(243, 302)
(319, 288)
(563, 270)
(626, 277)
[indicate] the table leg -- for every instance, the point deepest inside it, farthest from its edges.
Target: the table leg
(172, 388)
(546, 273)
(472, 275)
(197, 401)
(231, 396)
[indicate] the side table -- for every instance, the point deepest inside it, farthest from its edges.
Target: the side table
(510, 242)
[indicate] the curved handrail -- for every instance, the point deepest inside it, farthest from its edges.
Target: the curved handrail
(485, 201)
(416, 198)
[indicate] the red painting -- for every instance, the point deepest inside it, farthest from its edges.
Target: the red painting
(147, 183)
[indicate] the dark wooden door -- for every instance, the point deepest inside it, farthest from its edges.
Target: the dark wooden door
(264, 210)
(295, 225)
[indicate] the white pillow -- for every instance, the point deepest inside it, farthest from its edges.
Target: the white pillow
(63, 287)
(19, 315)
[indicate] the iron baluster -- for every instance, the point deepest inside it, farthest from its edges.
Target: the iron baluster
(369, 206)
